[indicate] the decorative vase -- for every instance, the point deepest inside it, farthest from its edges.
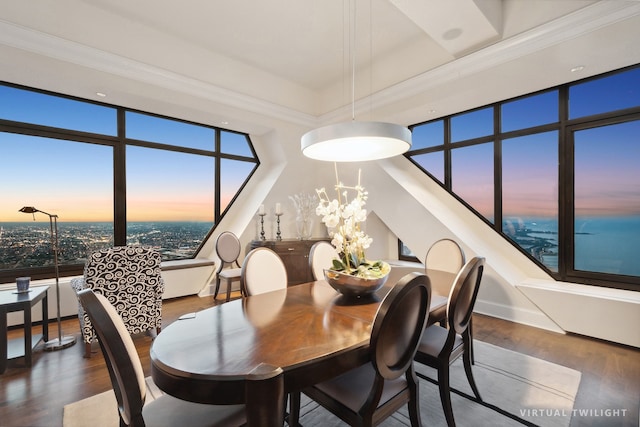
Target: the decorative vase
(303, 227)
(354, 286)
(305, 207)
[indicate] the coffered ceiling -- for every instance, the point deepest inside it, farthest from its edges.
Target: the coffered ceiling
(245, 62)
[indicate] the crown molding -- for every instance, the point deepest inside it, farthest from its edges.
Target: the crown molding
(50, 46)
(576, 24)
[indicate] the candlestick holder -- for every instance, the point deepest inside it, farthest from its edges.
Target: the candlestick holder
(262, 237)
(278, 236)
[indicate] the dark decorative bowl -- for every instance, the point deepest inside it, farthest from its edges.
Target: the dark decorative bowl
(353, 286)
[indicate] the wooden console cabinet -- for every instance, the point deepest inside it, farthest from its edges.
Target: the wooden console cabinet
(294, 254)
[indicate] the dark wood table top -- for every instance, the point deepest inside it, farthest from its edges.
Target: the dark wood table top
(308, 330)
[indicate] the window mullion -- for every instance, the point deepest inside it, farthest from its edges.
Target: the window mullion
(120, 184)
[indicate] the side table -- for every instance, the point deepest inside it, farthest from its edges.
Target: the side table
(10, 301)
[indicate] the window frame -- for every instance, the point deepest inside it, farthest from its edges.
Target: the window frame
(570, 272)
(119, 143)
(565, 128)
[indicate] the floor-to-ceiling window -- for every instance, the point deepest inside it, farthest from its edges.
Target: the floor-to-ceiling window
(111, 176)
(555, 172)
(606, 222)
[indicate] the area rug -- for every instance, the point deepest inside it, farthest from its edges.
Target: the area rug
(516, 390)
(101, 410)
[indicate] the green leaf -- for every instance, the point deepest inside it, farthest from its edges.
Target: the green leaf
(353, 259)
(337, 265)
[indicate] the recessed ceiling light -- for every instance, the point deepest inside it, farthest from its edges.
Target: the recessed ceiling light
(452, 34)
(578, 68)
(101, 94)
(224, 122)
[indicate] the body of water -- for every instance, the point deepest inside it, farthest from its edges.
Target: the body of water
(602, 244)
(608, 245)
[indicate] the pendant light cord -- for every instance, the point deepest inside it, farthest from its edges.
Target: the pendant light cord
(343, 142)
(352, 42)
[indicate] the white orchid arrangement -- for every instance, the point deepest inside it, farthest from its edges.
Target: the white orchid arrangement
(343, 217)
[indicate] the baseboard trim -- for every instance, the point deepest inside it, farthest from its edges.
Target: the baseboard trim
(523, 316)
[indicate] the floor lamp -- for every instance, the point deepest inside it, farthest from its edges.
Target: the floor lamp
(62, 341)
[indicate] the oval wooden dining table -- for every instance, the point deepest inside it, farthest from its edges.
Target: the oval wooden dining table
(310, 331)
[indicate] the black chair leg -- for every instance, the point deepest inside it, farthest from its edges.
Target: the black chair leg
(414, 400)
(445, 394)
(215, 293)
(466, 359)
(229, 283)
(470, 332)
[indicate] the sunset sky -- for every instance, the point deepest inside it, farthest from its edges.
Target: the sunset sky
(161, 186)
(607, 175)
(75, 181)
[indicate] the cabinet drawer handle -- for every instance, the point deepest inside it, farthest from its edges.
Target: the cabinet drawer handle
(291, 249)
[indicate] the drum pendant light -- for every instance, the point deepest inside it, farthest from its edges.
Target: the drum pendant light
(355, 140)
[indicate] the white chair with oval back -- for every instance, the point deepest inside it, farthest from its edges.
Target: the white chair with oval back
(321, 256)
(445, 255)
(262, 271)
(228, 250)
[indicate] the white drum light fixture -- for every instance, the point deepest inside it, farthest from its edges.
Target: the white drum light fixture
(355, 141)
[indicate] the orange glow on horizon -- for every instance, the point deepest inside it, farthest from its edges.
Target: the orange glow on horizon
(102, 210)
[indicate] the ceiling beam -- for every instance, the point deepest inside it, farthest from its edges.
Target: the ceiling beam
(458, 26)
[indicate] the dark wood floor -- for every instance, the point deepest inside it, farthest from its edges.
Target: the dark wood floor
(610, 373)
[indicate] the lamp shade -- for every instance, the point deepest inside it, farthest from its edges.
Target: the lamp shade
(356, 141)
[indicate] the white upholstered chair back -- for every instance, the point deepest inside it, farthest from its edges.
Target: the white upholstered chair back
(321, 257)
(445, 255)
(228, 247)
(228, 250)
(262, 271)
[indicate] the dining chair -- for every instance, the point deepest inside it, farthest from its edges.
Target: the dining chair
(321, 257)
(130, 277)
(228, 250)
(262, 271)
(128, 381)
(440, 347)
(446, 255)
(369, 394)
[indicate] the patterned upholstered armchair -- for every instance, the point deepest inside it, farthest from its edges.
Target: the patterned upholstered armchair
(129, 276)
